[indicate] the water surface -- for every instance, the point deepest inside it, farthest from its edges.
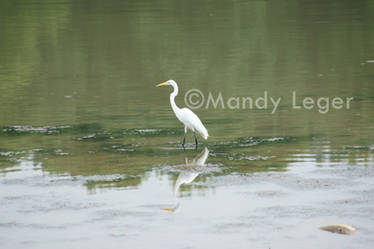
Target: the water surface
(90, 151)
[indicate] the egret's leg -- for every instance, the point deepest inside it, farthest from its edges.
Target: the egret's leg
(195, 140)
(184, 138)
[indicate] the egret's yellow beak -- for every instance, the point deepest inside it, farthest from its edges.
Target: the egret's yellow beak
(162, 84)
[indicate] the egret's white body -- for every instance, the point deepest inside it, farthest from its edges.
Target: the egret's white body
(190, 120)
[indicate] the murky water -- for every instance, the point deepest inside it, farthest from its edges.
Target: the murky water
(90, 152)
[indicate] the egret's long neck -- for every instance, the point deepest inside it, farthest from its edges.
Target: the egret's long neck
(172, 97)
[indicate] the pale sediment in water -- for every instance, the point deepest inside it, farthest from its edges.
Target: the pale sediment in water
(339, 228)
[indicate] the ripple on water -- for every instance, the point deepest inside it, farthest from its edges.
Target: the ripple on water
(253, 141)
(33, 225)
(103, 135)
(206, 169)
(146, 132)
(90, 132)
(120, 148)
(243, 142)
(50, 130)
(15, 153)
(96, 137)
(24, 129)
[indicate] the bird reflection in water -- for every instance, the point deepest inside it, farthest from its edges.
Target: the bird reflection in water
(188, 174)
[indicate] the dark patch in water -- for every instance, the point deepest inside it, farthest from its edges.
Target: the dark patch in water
(119, 148)
(85, 128)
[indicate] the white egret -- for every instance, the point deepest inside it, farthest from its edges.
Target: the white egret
(186, 116)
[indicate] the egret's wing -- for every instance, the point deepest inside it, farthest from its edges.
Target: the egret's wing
(192, 121)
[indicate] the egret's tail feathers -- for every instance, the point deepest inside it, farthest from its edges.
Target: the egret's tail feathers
(193, 122)
(204, 133)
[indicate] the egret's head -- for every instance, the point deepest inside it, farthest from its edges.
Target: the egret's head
(166, 83)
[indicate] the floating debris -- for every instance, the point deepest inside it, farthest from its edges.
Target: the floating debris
(273, 139)
(340, 229)
(369, 61)
(89, 136)
(125, 150)
(255, 158)
(96, 137)
(60, 152)
(148, 130)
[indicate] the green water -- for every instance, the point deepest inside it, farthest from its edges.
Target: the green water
(78, 105)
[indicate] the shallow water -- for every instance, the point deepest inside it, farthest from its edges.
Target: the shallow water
(90, 152)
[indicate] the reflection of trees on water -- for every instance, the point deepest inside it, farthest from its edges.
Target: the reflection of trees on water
(61, 48)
